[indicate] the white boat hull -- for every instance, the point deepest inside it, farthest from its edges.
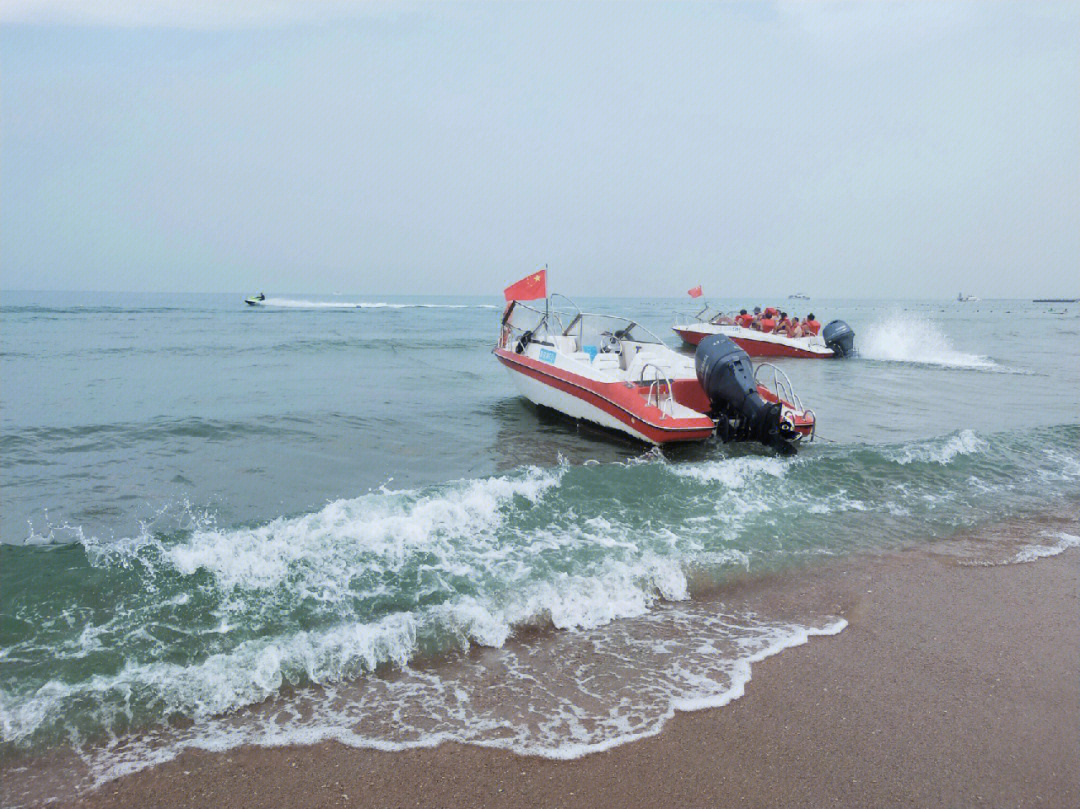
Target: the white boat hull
(545, 395)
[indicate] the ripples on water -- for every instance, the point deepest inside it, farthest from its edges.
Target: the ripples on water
(206, 503)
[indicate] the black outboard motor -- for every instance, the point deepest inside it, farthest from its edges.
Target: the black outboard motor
(840, 337)
(727, 376)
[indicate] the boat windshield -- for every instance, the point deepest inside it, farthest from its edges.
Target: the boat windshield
(539, 324)
(704, 315)
(590, 328)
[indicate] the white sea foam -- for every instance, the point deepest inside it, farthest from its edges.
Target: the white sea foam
(297, 303)
(939, 451)
(734, 473)
(387, 526)
(475, 576)
(908, 338)
(562, 696)
(470, 563)
(1030, 553)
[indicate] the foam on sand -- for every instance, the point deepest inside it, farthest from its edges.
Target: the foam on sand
(562, 696)
(1031, 553)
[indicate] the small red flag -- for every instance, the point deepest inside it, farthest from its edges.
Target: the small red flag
(528, 288)
(695, 292)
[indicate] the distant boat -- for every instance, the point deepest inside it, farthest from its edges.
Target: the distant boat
(962, 298)
(1055, 300)
(799, 296)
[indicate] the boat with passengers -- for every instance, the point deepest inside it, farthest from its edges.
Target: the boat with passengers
(836, 339)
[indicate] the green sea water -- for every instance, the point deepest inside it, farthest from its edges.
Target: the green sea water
(208, 506)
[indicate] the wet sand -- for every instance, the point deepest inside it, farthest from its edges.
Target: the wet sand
(952, 686)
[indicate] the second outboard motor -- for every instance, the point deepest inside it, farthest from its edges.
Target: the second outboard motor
(840, 337)
(727, 376)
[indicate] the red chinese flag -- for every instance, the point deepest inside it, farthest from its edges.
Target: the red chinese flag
(695, 292)
(528, 288)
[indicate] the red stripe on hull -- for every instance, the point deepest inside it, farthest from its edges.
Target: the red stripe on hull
(616, 399)
(690, 337)
(755, 348)
(763, 348)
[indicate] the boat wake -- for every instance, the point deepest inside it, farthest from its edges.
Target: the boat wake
(299, 303)
(917, 340)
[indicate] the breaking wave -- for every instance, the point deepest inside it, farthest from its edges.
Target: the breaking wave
(940, 451)
(345, 608)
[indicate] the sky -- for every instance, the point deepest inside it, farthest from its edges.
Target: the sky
(884, 149)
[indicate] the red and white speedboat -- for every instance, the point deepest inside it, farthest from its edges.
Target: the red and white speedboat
(613, 372)
(835, 340)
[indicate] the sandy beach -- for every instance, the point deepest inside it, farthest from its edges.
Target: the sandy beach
(952, 685)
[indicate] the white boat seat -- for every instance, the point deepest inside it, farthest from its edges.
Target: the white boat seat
(567, 344)
(652, 357)
(606, 362)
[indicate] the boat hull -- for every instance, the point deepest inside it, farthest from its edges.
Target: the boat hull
(690, 336)
(613, 405)
(756, 344)
(763, 348)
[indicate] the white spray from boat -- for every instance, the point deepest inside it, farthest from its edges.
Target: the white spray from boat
(914, 339)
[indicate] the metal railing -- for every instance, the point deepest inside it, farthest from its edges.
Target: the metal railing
(781, 385)
(552, 322)
(659, 376)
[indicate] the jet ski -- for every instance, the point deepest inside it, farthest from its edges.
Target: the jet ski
(255, 300)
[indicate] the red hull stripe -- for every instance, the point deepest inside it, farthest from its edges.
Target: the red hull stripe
(614, 398)
(756, 348)
(762, 348)
(691, 337)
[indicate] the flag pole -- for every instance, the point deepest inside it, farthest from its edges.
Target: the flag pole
(547, 301)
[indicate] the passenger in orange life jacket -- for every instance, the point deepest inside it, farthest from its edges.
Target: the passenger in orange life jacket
(811, 326)
(781, 326)
(795, 328)
(744, 319)
(767, 324)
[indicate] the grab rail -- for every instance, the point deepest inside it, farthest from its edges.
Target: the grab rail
(781, 386)
(659, 376)
(681, 318)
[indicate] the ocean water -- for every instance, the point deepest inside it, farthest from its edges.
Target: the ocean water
(333, 518)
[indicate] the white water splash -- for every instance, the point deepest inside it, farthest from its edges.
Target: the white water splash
(734, 473)
(939, 451)
(909, 338)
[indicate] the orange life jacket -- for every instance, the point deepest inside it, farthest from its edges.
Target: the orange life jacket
(744, 320)
(812, 326)
(767, 324)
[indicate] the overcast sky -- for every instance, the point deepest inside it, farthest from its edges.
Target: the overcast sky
(875, 150)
